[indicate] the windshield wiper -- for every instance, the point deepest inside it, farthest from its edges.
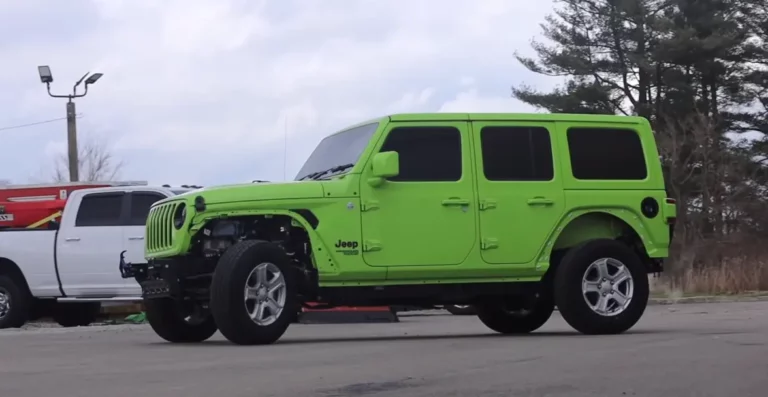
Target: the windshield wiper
(331, 170)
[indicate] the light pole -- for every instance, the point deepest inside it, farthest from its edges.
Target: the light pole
(47, 78)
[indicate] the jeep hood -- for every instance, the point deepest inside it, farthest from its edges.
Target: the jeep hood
(258, 191)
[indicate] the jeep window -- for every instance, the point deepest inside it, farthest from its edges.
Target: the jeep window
(516, 153)
(338, 149)
(100, 209)
(606, 153)
(427, 154)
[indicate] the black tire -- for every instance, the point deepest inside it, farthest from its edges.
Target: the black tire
(18, 299)
(228, 288)
(461, 310)
(76, 314)
(517, 320)
(169, 321)
(573, 305)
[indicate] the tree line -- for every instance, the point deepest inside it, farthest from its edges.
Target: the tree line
(698, 71)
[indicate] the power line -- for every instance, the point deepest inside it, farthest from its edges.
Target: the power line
(13, 127)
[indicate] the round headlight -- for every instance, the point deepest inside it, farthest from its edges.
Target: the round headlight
(179, 215)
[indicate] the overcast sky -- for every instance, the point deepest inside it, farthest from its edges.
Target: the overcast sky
(198, 91)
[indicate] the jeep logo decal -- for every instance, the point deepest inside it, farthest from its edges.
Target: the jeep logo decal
(347, 247)
(346, 244)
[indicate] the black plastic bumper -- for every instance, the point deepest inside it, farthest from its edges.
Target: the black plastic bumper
(152, 277)
(177, 278)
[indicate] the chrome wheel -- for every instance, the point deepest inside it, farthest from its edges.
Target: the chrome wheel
(607, 287)
(265, 293)
(5, 303)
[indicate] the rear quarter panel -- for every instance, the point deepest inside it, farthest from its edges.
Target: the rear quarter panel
(620, 198)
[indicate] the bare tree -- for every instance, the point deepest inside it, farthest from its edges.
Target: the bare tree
(95, 162)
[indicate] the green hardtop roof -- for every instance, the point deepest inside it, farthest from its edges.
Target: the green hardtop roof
(515, 117)
(436, 116)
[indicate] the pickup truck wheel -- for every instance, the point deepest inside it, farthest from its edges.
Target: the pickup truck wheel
(76, 314)
(253, 293)
(601, 287)
(173, 323)
(14, 304)
(517, 319)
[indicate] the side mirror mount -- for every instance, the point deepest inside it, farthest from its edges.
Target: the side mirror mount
(384, 165)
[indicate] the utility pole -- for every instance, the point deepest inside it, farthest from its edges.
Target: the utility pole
(72, 153)
(74, 167)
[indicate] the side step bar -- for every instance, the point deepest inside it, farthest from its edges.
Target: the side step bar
(105, 300)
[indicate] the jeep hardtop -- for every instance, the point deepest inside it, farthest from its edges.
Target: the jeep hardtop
(514, 214)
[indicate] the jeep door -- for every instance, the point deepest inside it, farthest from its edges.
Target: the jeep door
(521, 197)
(425, 215)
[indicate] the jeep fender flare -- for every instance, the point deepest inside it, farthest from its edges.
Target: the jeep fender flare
(610, 223)
(322, 260)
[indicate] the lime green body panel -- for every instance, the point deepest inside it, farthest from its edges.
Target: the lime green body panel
(472, 230)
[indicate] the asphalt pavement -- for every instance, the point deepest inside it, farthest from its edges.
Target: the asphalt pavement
(717, 349)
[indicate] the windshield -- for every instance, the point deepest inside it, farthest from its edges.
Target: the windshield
(338, 149)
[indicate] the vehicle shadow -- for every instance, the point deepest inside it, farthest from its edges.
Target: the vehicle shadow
(405, 338)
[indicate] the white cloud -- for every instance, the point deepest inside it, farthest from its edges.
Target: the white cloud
(472, 101)
(198, 91)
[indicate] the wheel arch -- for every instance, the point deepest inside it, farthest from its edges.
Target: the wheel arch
(11, 269)
(304, 218)
(584, 225)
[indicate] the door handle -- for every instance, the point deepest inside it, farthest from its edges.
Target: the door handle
(455, 201)
(136, 238)
(540, 201)
(72, 239)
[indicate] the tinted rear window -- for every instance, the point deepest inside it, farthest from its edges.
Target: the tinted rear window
(606, 154)
(516, 154)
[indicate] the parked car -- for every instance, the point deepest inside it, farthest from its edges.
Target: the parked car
(67, 269)
(515, 213)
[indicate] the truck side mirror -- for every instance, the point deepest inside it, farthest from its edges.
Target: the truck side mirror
(384, 165)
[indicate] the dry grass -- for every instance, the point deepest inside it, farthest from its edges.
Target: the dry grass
(730, 276)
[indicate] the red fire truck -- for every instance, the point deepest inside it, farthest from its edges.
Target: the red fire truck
(36, 205)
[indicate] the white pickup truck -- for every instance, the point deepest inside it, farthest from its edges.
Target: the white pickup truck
(67, 271)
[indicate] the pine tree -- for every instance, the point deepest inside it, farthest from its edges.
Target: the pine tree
(690, 66)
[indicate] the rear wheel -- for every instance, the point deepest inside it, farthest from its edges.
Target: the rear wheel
(14, 303)
(253, 293)
(177, 324)
(520, 316)
(76, 314)
(601, 287)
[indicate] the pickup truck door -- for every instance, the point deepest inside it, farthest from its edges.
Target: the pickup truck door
(89, 240)
(139, 203)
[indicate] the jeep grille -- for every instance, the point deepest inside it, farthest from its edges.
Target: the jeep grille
(160, 227)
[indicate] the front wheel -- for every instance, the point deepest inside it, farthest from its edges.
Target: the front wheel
(177, 324)
(517, 317)
(253, 293)
(601, 287)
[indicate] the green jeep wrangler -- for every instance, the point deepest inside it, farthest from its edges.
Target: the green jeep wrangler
(513, 214)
